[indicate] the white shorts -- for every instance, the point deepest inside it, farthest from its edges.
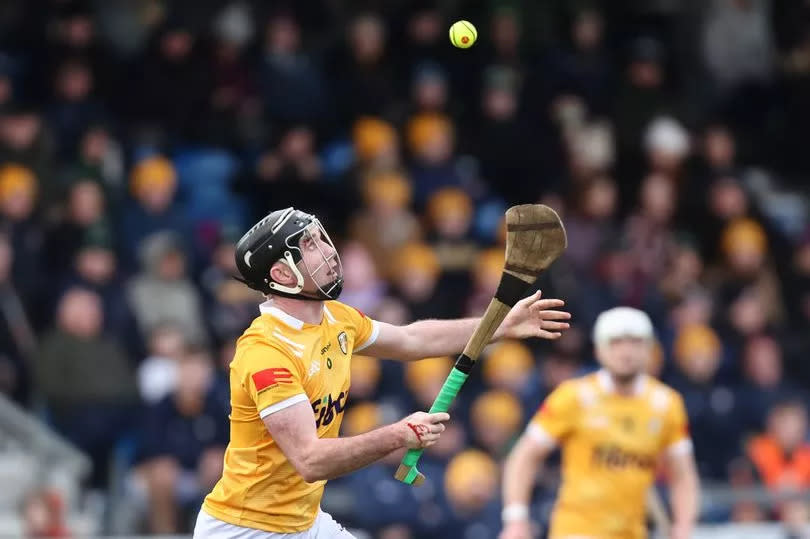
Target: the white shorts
(325, 527)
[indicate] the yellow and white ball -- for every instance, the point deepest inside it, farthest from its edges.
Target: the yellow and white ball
(463, 34)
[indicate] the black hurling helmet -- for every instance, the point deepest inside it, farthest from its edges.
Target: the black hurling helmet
(281, 236)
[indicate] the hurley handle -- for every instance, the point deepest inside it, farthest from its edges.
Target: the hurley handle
(407, 472)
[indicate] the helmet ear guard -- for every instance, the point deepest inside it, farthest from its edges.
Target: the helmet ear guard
(288, 259)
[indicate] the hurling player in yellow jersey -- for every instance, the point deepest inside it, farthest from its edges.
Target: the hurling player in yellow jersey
(289, 384)
(612, 427)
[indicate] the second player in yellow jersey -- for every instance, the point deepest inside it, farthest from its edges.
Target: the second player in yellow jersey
(612, 426)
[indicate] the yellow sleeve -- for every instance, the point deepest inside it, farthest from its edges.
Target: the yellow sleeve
(366, 329)
(676, 437)
(273, 379)
(557, 416)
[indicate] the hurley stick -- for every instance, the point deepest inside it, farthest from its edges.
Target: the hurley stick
(535, 237)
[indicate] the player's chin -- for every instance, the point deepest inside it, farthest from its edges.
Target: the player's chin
(625, 375)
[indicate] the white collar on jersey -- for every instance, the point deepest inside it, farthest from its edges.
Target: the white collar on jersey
(606, 382)
(293, 322)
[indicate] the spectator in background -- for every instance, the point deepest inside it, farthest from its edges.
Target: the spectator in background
(746, 280)
(667, 144)
(509, 366)
(157, 374)
(173, 85)
(18, 203)
(710, 404)
(506, 30)
(737, 43)
(583, 67)
(764, 384)
(99, 157)
(386, 224)
(496, 418)
(644, 94)
(486, 275)
(163, 292)
(591, 222)
(235, 104)
(183, 440)
(17, 339)
(230, 306)
(797, 290)
(781, 455)
(365, 378)
(74, 107)
(24, 139)
(725, 200)
(86, 210)
(363, 287)
(424, 379)
(362, 75)
(505, 141)
(649, 231)
(86, 379)
(450, 218)
(614, 281)
(431, 142)
(684, 272)
(376, 146)
(424, 39)
(289, 172)
(430, 89)
(73, 33)
(95, 267)
(471, 488)
(153, 184)
(292, 86)
(416, 276)
(719, 152)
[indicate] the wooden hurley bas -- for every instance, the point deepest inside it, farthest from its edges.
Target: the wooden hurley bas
(535, 237)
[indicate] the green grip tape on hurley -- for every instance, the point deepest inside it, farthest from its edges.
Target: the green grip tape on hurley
(450, 388)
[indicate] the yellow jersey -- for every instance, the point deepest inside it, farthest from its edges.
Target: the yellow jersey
(281, 361)
(611, 445)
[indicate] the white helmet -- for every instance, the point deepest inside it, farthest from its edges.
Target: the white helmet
(621, 322)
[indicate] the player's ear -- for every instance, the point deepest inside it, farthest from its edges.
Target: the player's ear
(599, 353)
(280, 272)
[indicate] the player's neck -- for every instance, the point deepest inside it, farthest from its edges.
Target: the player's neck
(626, 388)
(307, 311)
(621, 385)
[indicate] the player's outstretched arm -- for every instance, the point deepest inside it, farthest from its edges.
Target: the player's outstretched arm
(530, 317)
(520, 470)
(316, 459)
(685, 494)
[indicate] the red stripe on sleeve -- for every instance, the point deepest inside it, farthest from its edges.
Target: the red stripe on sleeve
(271, 377)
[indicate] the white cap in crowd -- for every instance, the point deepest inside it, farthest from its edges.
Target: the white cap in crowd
(621, 322)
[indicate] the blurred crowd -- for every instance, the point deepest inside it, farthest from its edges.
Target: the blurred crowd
(139, 139)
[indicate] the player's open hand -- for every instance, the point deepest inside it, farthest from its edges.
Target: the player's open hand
(518, 529)
(422, 429)
(535, 317)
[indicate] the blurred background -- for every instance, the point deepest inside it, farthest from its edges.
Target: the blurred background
(139, 139)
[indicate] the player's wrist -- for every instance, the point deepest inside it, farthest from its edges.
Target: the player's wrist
(401, 434)
(515, 512)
